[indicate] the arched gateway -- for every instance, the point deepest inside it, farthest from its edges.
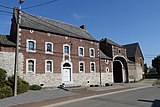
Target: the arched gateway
(120, 70)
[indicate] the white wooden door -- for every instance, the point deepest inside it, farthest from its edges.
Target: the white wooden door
(66, 75)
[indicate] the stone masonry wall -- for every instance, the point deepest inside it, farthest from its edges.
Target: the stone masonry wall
(8, 60)
(136, 73)
(79, 79)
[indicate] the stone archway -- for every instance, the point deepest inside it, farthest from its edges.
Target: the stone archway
(117, 74)
(120, 70)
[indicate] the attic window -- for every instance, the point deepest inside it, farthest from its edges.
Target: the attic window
(31, 31)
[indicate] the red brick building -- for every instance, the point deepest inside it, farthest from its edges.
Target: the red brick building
(54, 53)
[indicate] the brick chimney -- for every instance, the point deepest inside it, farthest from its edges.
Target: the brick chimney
(83, 27)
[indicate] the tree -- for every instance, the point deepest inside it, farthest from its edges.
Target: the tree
(145, 68)
(156, 63)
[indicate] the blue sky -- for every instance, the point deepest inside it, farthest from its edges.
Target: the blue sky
(123, 21)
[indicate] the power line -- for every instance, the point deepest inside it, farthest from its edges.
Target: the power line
(5, 7)
(39, 4)
(3, 11)
(5, 14)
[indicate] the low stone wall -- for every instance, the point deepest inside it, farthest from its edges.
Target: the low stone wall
(7, 62)
(79, 79)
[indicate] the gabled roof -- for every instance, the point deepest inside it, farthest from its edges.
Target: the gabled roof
(4, 40)
(131, 49)
(110, 42)
(53, 26)
(113, 43)
(103, 56)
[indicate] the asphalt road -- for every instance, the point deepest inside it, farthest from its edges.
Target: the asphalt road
(147, 97)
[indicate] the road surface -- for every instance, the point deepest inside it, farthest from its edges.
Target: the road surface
(147, 97)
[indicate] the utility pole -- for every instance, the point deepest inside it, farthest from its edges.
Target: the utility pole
(100, 76)
(17, 49)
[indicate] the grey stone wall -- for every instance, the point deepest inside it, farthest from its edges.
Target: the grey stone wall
(79, 79)
(7, 62)
(137, 74)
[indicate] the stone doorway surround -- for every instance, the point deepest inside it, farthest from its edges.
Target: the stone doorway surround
(66, 72)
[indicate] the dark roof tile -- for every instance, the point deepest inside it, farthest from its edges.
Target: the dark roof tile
(53, 26)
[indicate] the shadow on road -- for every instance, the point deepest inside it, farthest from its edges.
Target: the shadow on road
(155, 103)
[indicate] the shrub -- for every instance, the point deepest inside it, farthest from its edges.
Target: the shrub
(2, 77)
(35, 87)
(22, 86)
(5, 91)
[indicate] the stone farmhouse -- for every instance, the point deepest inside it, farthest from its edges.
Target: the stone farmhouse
(53, 53)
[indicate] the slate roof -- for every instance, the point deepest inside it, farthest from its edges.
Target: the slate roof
(53, 26)
(103, 56)
(5, 40)
(131, 49)
(111, 42)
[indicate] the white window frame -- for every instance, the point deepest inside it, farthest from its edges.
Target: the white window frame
(106, 61)
(27, 49)
(107, 69)
(93, 52)
(94, 67)
(83, 66)
(79, 51)
(34, 60)
(64, 49)
(48, 52)
(46, 66)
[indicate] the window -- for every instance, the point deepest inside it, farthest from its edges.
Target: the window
(107, 69)
(81, 66)
(31, 46)
(66, 49)
(141, 62)
(48, 47)
(119, 51)
(49, 66)
(31, 65)
(92, 66)
(81, 51)
(106, 61)
(92, 52)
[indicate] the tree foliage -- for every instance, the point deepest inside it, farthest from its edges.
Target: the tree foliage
(145, 68)
(156, 63)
